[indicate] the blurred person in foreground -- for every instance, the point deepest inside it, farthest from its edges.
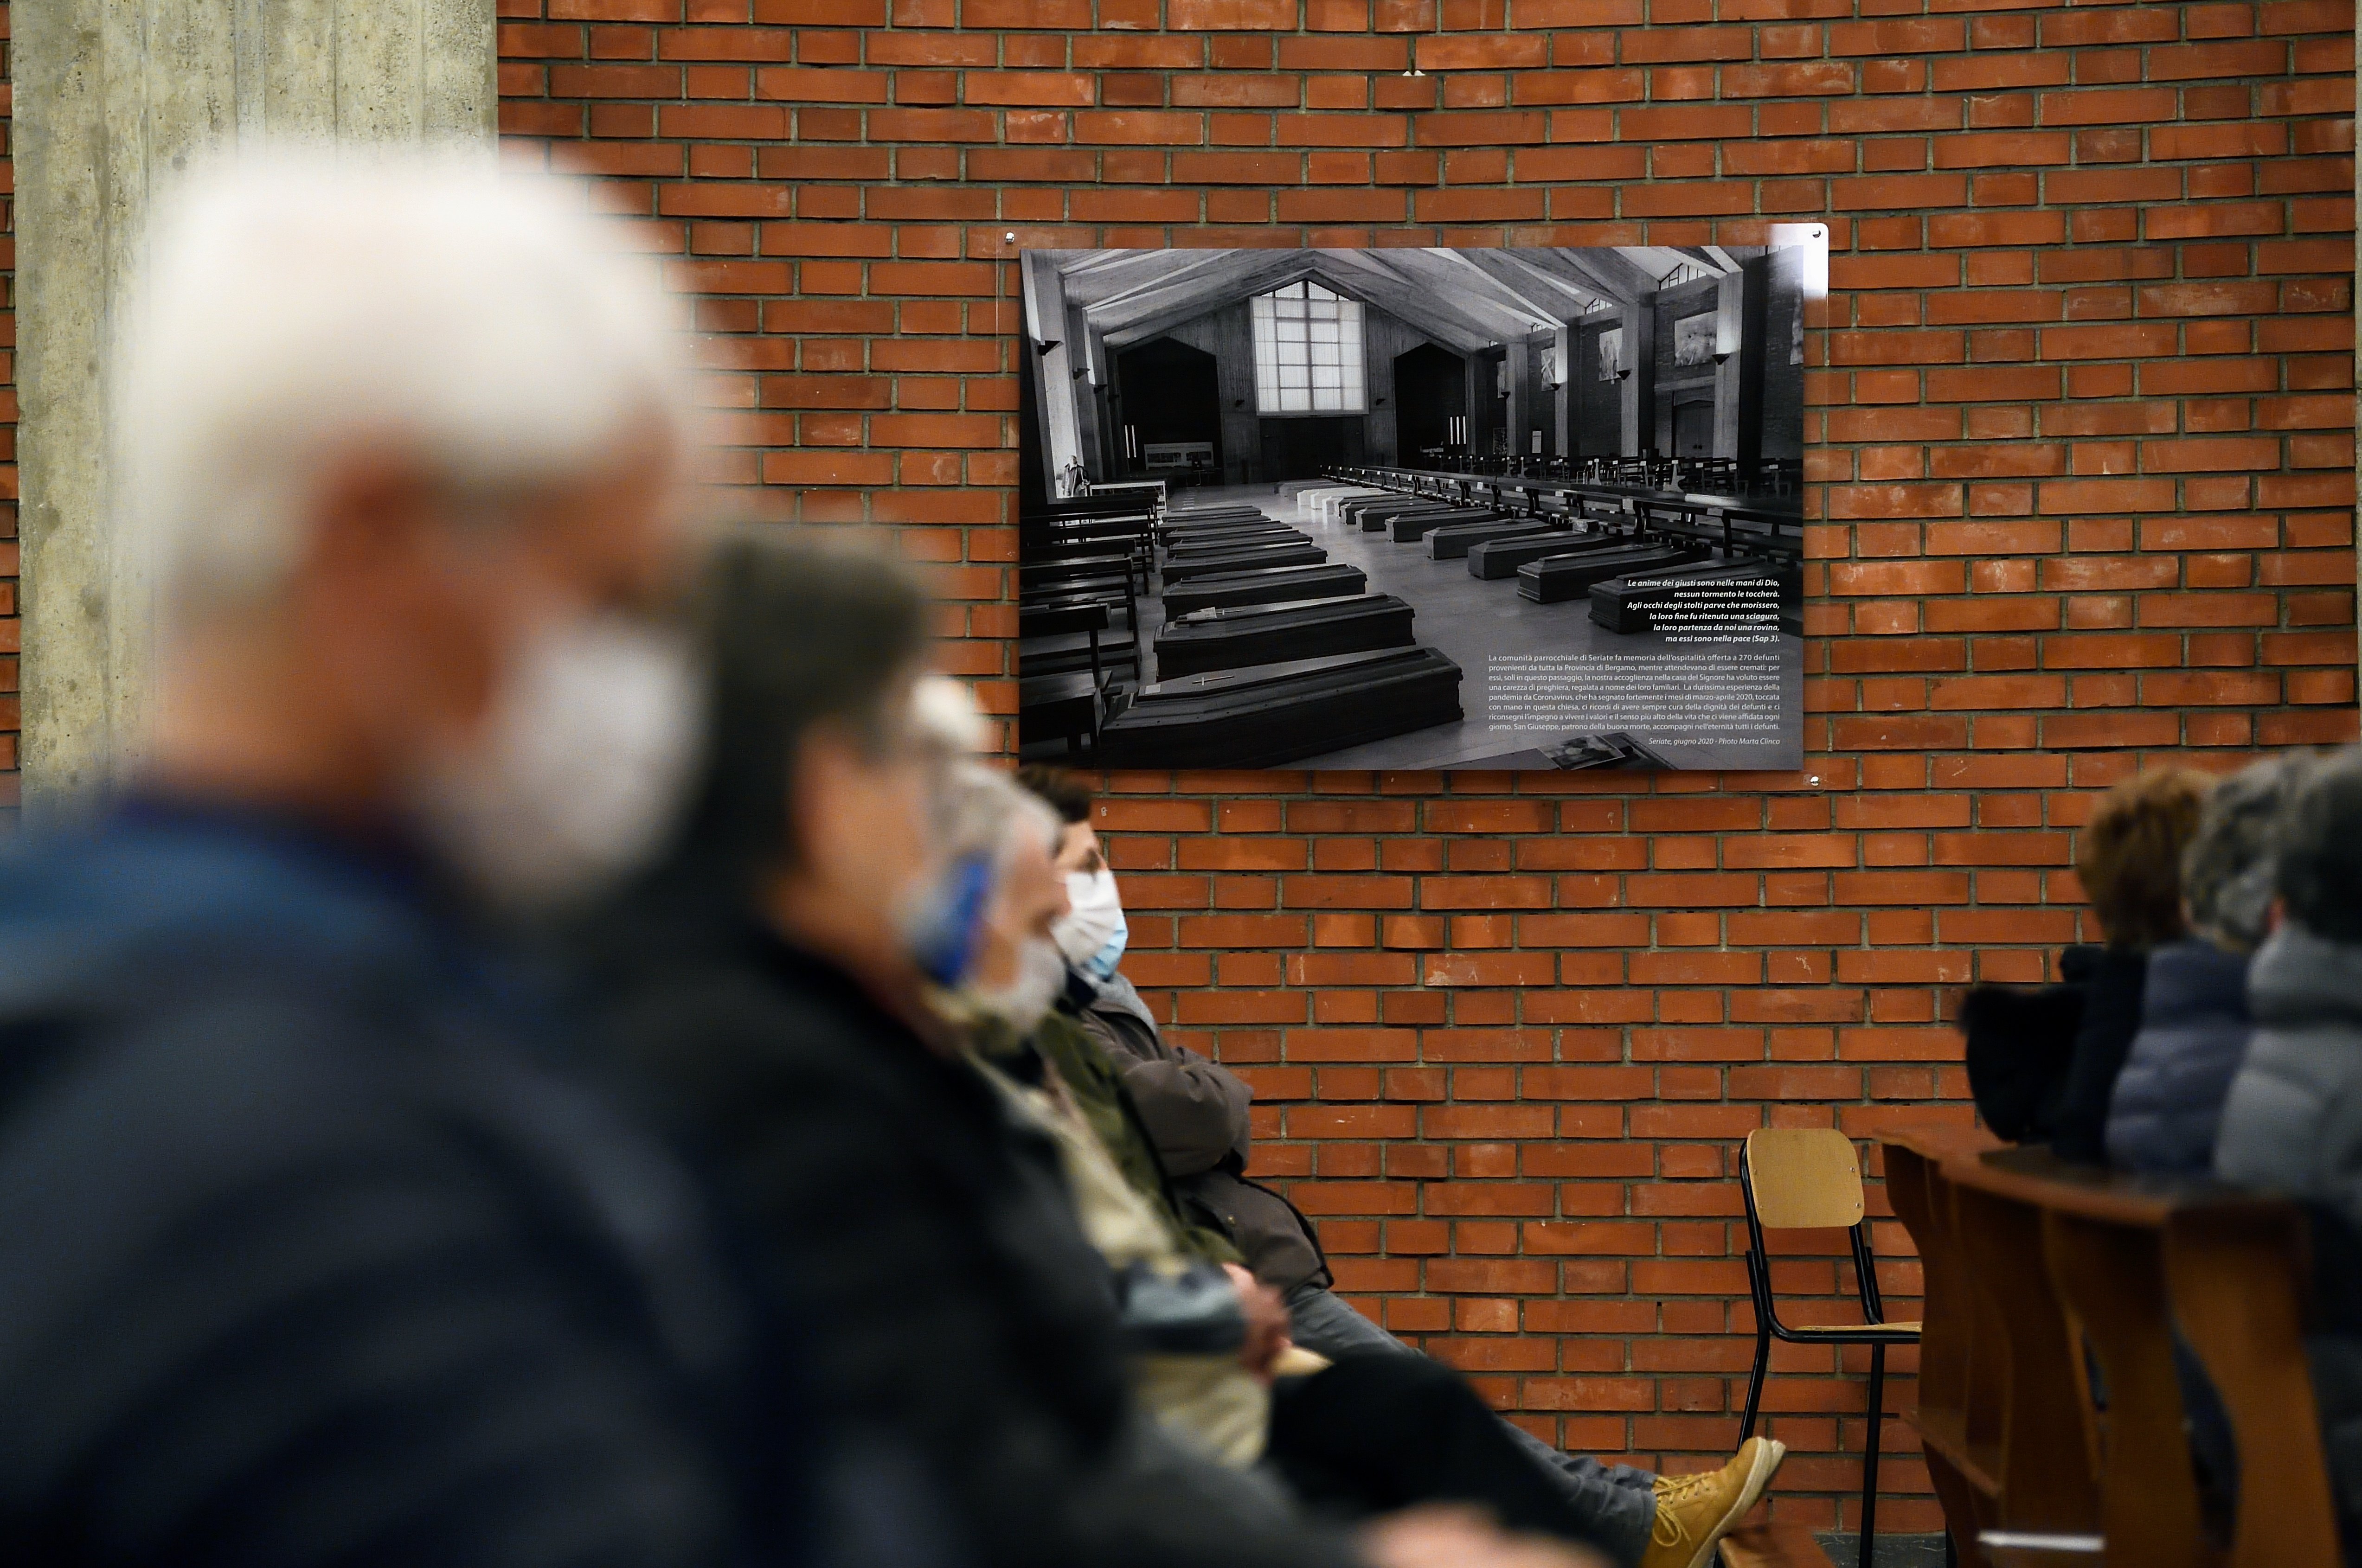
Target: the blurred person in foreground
(1372, 1429)
(2194, 1024)
(767, 988)
(2292, 1123)
(306, 1257)
(1195, 1112)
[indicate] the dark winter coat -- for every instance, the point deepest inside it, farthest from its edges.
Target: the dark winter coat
(929, 1251)
(302, 1261)
(2021, 1043)
(2193, 1034)
(2112, 1016)
(1197, 1112)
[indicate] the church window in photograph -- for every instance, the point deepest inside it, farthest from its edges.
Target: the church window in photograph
(1307, 351)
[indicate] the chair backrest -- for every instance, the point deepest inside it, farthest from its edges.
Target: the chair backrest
(1804, 1178)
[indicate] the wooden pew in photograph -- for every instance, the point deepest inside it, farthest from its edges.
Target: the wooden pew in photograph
(1270, 585)
(1076, 567)
(1273, 634)
(2036, 1270)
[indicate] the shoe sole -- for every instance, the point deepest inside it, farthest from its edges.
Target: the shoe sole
(1767, 1464)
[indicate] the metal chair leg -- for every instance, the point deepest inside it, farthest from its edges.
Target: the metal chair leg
(1870, 1455)
(1755, 1383)
(1762, 1357)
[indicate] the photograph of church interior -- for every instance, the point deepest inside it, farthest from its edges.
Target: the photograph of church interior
(1288, 506)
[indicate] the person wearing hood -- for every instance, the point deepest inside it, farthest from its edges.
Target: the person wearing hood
(1195, 1112)
(2194, 1022)
(2292, 1122)
(311, 1252)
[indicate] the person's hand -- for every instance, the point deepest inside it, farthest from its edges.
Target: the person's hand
(1451, 1537)
(1269, 1333)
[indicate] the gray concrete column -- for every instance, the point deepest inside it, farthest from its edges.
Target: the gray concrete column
(112, 98)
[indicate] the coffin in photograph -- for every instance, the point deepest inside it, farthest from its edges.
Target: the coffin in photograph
(1375, 519)
(1452, 542)
(1251, 557)
(1556, 578)
(1275, 633)
(1408, 528)
(1275, 714)
(1503, 557)
(1238, 539)
(1270, 586)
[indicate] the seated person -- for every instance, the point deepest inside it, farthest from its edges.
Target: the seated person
(2194, 1024)
(1194, 1111)
(2292, 1122)
(763, 994)
(2128, 859)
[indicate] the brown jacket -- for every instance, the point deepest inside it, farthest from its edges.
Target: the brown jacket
(1196, 1110)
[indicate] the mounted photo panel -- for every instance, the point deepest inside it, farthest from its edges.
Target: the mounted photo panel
(1415, 509)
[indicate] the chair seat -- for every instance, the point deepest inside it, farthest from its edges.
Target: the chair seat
(1900, 1329)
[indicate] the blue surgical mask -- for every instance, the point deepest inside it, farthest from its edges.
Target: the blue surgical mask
(947, 924)
(1092, 935)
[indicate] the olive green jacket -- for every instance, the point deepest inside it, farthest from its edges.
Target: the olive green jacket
(1098, 1088)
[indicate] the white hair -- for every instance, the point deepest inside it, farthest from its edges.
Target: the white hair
(944, 713)
(293, 307)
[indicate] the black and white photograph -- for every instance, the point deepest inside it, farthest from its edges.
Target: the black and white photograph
(1415, 509)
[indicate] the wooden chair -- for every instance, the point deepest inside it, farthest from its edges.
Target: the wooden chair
(1807, 1178)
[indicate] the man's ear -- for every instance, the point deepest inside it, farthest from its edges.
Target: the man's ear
(368, 510)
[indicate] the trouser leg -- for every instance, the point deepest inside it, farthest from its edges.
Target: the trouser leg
(1618, 1502)
(1379, 1431)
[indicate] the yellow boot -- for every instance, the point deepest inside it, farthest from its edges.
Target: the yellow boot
(1695, 1511)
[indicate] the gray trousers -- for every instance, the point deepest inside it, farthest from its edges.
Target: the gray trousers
(1617, 1500)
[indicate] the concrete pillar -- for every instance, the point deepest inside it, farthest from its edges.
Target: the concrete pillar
(112, 98)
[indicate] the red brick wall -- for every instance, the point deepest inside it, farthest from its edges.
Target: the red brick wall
(2081, 444)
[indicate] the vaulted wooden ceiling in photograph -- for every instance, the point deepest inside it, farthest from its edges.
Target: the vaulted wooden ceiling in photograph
(1464, 300)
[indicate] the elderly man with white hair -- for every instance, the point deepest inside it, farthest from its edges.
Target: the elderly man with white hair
(307, 1255)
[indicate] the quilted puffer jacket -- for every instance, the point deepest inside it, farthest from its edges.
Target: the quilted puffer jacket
(2193, 1034)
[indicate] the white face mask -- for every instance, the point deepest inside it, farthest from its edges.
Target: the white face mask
(1026, 1000)
(1093, 933)
(586, 756)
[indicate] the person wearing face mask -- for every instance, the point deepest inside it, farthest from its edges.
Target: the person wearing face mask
(1196, 1111)
(1211, 1352)
(310, 1256)
(768, 989)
